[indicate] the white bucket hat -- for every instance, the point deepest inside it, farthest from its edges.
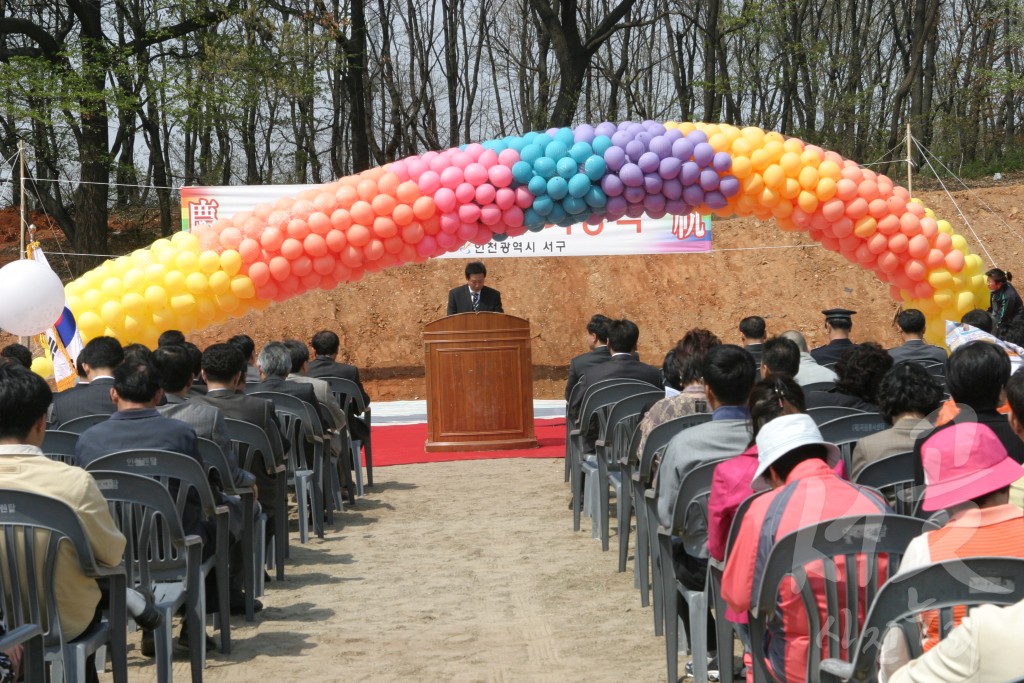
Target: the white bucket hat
(783, 435)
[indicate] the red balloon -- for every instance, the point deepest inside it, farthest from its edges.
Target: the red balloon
(280, 268)
(319, 223)
(336, 241)
(291, 249)
(315, 245)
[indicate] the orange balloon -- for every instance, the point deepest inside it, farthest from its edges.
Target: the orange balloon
(897, 205)
(773, 176)
(302, 266)
(388, 183)
(298, 229)
(790, 189)
(384, 227)
(929, 228)
(424, 208)
(826, 189)
(341, 219)
(403, 215)
(280, 268)
(955, 261)
(250, 250)
(753, 185)
(259, 273)
(336, 241)
(346, 196)
(272, 239)
(358, 235)
(315, 245)
(878, 243)
(889, 225)
(393, 245)
(868, 190)
(408, 192)
(362, 213)
(943, 242)
(291, 248)
(324, 265)
(856, 209)
(923, 290)
(842, 228)
(311, 280)
(878, 208)
(898, 243)
(769, 199)
(367, 189)
(325, 202)
(865, 227)
(910, 224)
(915, 270)
(888, 262)
(846, 189)
(383, 204)
(412, 233)
(351, 256)
(918, 247)
(833, 210)
(935, 259)
(373, 250)
(302, 209)
(319, 223)
(807, 201)
(230, 238)
(808, 178)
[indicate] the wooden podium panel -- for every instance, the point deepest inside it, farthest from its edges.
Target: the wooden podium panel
(479, 374)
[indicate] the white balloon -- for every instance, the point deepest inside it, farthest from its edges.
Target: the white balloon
(31, 297)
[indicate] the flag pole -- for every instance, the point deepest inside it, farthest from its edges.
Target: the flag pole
(21, 179)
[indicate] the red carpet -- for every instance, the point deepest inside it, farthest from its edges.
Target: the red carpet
(403, 445)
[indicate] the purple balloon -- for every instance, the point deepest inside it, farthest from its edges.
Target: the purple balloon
(635, 149)
(709, 180)
(649, 162)
(682, 149)
(631, 175)
(611, 184)
(729, 186)
(677, 207)
(634, 195)
(634, 128)
(645, 138)
(551, 131)
(690, 173)
(655, 127)
(635, 210)
(584, 133)
(620, 138)
(715, 200)
(605, 128)
(703, 153)
(616, 206)
(614, 157)
(661, 146)
(722, 162)
(653, 183)
(697, 136)
(656, 214)
(670, 167)
(672, 188)
(693, 195)
(673, 134)
(655, 203)
(624, 125)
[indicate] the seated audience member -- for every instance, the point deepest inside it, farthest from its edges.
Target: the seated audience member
(914, 348)
(18, 353)
(622, 340)
(597, 342)
(838, 323)
(859, 371)
(247, 346)
(1015, 401)
(976, 375)
(907, 397)
(796, 463)
(275, 363)
(975, 651)
(176, 337)
(99, 358)
(682, 371)
(326, 346)
(810, 371)
(781, 357)
(980, 319)
(10, 660)
(224, 369)
(24, 399)
(752, 336)
(138, 353)
(968, 473)
(195, 355)
(1012, 332)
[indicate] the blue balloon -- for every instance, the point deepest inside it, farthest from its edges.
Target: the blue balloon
(595, 167)
(567, 167)
(542, 140)
(543, 205)
(537, 228)
(522, 172)
(537, 186)
(557, 214)
(579, 184)
(531, 218)
(580, 152)
(556, 150)
(530, 153)
(544, 167)
(495, 145)
(558, 187)
(499, 237)
(574, 205)
(600, 144)
(595, 198)
(565, 136)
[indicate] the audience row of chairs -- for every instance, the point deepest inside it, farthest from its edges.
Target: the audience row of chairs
(825, 550)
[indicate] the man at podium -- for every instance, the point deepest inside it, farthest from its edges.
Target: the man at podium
(474, 296)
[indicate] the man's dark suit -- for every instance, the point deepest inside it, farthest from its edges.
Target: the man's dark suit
(620, 366)
(579, 365)
(830, 353)
(459, 300)
(918, 351)
(757, 351)
(260, 412)
(85, 399)
(325, 366)
(296, 389)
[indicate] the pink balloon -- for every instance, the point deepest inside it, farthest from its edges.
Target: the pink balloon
(513, 218)
(483, 236)
(429, 156)
(426, 246)
(462, 160)
(400, 169)
(505, 198)
(445, 200)
(490, 214)
(474, 150)
(476, 174)
(439, 163)
(466, 231)
(488, 158)
(450, 223)
(446, 241)
(451, 177)
(469, 213)
(485, 194)
(499, 175)
(508, 157)
(524, 199)
(416, 167)
(429, 182)
(465, 193)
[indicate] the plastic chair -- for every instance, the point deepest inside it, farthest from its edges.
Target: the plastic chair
(80, 424)
(965, 581)
(169, 468)
(598, 396)
(161, 560)
(33, 662)
(621, 421)
(258, 454)
(868, 538)
(893, 477)
(824, 414)
(347, 391)
(253, 526)
(41, 525)
(627, 465)
(817, 386)
(846, 431)
(576, 390)
(306, 469)
(692, 500)
(647, 508)
(60, 445)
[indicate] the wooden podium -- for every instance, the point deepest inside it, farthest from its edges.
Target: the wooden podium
(479, 383)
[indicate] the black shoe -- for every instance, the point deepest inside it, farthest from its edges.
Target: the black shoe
(183, 642)
(148, 647)
(238, 607)
(150, 619)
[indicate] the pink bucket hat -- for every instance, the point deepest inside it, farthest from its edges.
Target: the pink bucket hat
(963, 462)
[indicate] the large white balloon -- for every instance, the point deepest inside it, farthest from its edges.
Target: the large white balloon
(31, 297)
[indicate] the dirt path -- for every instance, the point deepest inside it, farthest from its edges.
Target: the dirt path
(465, 571)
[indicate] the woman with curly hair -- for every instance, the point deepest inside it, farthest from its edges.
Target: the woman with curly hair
(859, 373)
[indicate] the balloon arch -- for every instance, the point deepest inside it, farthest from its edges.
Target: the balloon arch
(423, 206)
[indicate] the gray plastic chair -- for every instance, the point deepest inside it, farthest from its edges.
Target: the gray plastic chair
(576, 390)
(817, 386)
(347, 391)
(846, 431)
(871, 537)
(627, 465)
(692, 500)
(965, 581)
(161, 560)
(893, 477)
(60, 445)
(27, 583)
(168, 468)
(33, 662)
(80, 424)
(255, 452)
(824, 414)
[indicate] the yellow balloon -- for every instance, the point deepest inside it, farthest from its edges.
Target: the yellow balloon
(112, 313)
(183, 303)
(774, 176)
(187, 261)
(206, 309)
(197, 283)
(122, 264)
(42, 366)
(830, 169)
(113, 288)
(230, 262)
(185, 241)
(959, 243)
(242, 287)
(965, 302)
(156, 297)
(133, 326)
(134, 280)
(174, 281)
(90, 325)
(790, 163)
(940, 279)
(155, 273)
(209, 261)
(227, 302)
(92, 299)
(164, 319)
(944, 298)
(220, 282)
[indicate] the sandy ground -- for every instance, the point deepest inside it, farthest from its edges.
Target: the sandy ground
(463, 571)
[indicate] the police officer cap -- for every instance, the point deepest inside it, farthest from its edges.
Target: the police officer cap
(838, 314)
